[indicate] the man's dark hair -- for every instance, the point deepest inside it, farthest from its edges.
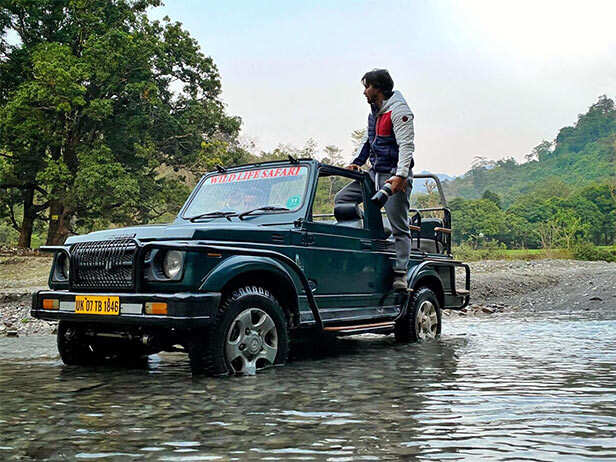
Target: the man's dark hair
(379, 79)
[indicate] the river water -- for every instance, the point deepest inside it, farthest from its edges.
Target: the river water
(497, 388)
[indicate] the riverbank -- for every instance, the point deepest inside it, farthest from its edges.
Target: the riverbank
(539, 285)
(497, 286)
(21, 274)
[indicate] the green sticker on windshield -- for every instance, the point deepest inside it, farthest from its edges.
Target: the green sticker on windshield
(293, 202)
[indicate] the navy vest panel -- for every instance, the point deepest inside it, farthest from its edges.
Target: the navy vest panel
(383, 145)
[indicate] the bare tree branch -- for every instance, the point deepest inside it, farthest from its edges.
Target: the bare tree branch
(12, 217)
(40, 207)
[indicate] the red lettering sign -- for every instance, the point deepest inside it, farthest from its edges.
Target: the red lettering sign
(255, 175)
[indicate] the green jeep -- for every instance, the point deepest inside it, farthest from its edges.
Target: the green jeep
(257, 254)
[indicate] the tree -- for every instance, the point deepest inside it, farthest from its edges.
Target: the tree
(473, 218)
(581, 154)
(478, 171)
(518, 233)
(104, 110)
(333, 156)
(492, 196)
(550, 187)
(540, 152)
(561, 230)
(602, 207)
(599, 121)
(357, 136)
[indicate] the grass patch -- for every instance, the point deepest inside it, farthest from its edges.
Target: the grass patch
(466, 253)
(537, 254)
(586, 251)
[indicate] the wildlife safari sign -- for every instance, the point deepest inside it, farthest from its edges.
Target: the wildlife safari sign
(262, 174)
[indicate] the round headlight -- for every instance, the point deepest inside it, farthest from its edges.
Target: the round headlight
(66, 266)
(172, 264)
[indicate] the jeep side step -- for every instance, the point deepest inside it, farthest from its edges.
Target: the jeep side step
(360, 328)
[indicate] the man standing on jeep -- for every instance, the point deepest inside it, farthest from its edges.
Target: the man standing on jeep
(388, 143)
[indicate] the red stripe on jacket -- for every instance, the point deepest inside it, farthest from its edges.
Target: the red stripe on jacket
(384, 127)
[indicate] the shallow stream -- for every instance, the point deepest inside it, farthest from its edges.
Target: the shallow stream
(494, 388)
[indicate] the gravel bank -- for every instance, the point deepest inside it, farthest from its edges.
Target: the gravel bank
(565, 286)
(496, 287)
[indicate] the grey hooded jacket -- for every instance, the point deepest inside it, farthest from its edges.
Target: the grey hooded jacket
(389, 139)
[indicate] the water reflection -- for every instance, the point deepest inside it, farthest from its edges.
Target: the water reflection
(498, 389)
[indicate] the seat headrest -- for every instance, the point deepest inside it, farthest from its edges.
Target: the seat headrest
(348, 211)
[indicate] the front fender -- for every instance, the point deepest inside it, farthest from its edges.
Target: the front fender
(261, 258)
(236, 265)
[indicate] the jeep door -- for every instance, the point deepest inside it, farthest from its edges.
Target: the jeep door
(337, 254)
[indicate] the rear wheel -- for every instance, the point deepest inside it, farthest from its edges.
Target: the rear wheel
(250, 333)
(422, 321)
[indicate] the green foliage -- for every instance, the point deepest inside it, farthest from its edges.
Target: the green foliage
(562, 195)
(8, 235)
(487, 250)
(562, 230)
(327, 187)
(491, 196)
(105, 114)
(283, 151)
(474, 220)
(587, 251)
(580, 155)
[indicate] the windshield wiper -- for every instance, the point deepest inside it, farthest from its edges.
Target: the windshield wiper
(267, 208)
(216, 214)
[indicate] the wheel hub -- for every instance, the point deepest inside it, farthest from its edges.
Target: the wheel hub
(254, 344)
(427, 321)
(252, 341)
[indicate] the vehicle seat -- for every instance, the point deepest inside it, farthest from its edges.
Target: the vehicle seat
(427, 238)
(349, 214)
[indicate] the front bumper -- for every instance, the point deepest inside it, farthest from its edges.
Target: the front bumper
(184, 310)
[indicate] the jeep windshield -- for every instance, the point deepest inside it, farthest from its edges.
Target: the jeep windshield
(260, 190)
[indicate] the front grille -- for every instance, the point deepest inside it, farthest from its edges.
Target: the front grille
(104, 265)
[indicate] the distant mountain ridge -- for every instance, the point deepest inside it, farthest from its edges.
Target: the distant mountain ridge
(420, 186)
(580, 155)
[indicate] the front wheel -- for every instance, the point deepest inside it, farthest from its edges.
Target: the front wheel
(250, 333)
(422, 321)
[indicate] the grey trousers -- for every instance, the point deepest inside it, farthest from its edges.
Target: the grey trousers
(397, 208)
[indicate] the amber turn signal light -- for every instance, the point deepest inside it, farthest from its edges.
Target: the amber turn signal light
(156, 308)
(51, 303)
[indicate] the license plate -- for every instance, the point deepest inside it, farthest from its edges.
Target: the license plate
(91, 304)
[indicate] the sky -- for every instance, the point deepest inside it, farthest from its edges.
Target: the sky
(483, 78)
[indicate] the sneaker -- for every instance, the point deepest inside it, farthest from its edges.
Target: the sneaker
(399, 281)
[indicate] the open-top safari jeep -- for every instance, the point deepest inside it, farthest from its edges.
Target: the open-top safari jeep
(257, 254)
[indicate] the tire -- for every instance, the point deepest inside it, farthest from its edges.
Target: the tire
(73, 348)
(250, 333)
(422, 321)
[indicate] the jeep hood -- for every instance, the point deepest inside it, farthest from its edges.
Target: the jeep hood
(217, 231)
